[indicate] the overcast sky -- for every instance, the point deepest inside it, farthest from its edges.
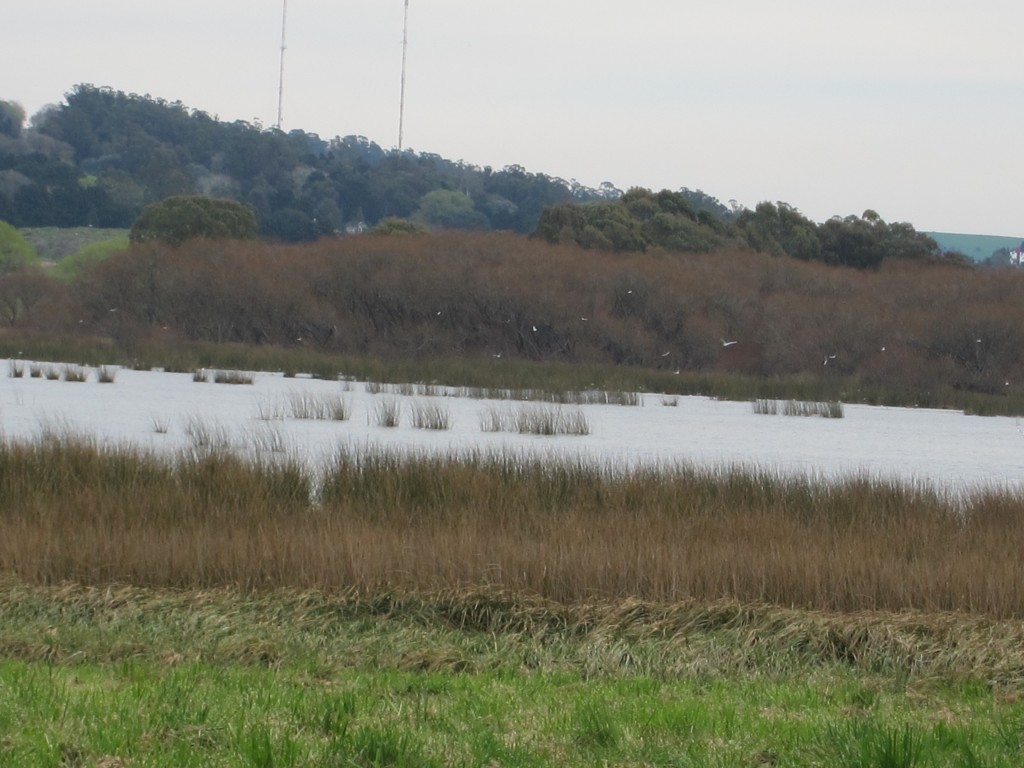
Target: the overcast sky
(914, 108)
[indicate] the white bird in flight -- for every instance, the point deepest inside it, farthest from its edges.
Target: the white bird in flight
(727, 343)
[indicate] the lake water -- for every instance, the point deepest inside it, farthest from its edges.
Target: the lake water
(944, 448)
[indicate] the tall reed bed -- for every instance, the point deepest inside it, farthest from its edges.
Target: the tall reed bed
(555, 527)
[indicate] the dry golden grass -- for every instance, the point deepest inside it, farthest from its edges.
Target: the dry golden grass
(70, 510)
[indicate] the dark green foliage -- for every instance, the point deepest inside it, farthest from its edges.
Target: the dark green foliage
(635, 222)
(178, 219)
(105, 154)
(12, 117)
(395, 226)
(862, 242)
(867, 241)
(290, 225)
(780, 229)
(449, 209)
(42, 189)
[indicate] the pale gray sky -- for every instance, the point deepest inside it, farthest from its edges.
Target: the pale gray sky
(914, 108)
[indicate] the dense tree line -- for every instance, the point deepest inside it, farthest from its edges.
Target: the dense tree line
(99, 158)
(636, 221)
(641, 219)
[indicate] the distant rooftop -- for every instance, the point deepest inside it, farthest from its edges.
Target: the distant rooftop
(975, 247)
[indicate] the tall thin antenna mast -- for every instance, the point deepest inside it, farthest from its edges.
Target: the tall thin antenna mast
(401, 103)
(280, 85)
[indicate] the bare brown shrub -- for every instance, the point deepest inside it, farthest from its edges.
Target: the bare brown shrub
(29, 299)
(485, 296)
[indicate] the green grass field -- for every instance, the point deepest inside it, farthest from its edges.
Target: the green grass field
(120, 676)
(55, 243)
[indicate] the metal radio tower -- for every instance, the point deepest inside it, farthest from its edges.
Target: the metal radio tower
(401, 102)
(280, 83)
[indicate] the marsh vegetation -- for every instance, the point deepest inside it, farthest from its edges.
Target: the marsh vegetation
(561, 529)
(353, 610)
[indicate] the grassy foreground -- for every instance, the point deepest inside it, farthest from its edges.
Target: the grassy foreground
(495, 609)
(120, 676)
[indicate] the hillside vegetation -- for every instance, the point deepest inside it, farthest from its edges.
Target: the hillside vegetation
(99, 158)
(53, 244)
(103, 156)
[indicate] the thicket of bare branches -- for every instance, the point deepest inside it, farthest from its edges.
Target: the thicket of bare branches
(476, 295)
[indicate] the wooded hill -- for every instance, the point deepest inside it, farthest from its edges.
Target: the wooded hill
(103, 155)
